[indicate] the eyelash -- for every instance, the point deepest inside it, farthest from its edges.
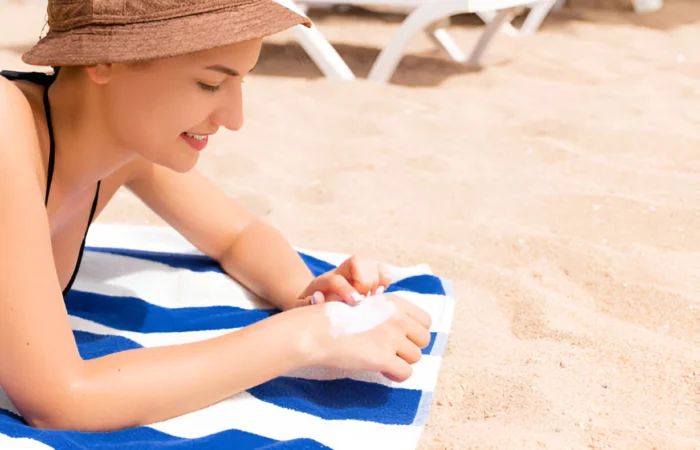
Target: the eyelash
(209, 88)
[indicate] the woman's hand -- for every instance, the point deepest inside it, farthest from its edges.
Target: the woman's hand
(384, 333)
(353, 280)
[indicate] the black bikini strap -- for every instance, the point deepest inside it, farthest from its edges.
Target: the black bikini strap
(82, 245)
(52, 143)
(49, 178)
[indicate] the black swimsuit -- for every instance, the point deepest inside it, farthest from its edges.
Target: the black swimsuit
(46, 80)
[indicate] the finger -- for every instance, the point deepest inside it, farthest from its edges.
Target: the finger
(315, 299)
(409, 352)
(412, 310)
(419, 315)
(397, 370)
(361, 273)
(339, 286)
(365, 276)
(416, 332)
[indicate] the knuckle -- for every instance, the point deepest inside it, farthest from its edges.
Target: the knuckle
(356, 260)
(337, 282)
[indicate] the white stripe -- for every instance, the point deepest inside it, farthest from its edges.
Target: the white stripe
(160, 284)
(166, 239)
(147, 339)
(9, 443)
(139, 237)
(245, 412)
(425, 371)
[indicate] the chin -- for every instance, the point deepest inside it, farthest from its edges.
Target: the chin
(182, 164)
(177, 159)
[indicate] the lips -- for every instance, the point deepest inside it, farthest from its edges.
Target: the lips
(197, 142)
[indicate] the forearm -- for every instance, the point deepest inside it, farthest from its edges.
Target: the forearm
(144, 386)
(262, 260)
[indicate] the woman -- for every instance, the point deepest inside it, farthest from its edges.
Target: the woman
(141, 86)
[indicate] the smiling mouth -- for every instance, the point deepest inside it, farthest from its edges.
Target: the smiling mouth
(199, 137)
(196, 141)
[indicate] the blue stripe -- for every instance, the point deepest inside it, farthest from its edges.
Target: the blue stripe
(193, 262)
(93, 346)
(429, 348)
(145, 438)
(421, 284)
(316, 266)
(133, 314)
(342, 399)
(328, 399)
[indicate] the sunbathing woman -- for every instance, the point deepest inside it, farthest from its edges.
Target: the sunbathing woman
(137, 88)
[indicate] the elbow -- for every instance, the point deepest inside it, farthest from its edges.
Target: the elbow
(58, 416)
(50, 423)
(60, 408)
(81, 413)
(77, 421)
(64, 420)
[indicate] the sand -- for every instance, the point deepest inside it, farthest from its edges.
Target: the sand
(557, 187)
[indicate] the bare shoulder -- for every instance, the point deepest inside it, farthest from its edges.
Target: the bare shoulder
(20, 152)
(12, 98)
(20, 148)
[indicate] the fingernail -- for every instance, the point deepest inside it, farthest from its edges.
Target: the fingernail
(356, 296)
(315, 298)
(379, 291)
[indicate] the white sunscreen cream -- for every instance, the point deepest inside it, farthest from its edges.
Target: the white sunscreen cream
(347, 319)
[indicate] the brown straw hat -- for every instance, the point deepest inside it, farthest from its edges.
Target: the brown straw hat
(88, 32)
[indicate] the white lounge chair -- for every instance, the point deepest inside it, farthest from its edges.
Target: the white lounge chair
(533, 20)
(425, 15)
(538, 13)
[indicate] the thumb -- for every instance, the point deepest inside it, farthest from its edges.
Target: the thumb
(314, 299)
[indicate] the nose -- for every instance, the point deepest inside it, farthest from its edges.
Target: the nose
(229, 112)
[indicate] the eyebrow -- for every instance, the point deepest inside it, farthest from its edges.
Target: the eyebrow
(223, 69)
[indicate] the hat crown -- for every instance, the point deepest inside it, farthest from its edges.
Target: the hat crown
(64, 15)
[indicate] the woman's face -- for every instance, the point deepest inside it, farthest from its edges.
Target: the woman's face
(165, 109)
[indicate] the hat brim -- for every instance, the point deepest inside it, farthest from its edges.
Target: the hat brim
(92, 45)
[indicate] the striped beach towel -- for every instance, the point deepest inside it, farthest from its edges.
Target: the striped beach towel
(147, 286)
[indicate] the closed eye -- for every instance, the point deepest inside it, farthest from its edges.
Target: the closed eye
(208, 87)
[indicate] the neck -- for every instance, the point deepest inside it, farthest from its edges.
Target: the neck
(85, 149)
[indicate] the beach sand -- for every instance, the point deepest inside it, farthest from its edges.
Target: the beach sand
(557, 186)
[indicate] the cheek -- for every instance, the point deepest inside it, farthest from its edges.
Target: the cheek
(145, 120)
(150, 118)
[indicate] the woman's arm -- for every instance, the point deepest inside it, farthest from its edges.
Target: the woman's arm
(248, 249)
(149, 385)
(251, 251)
